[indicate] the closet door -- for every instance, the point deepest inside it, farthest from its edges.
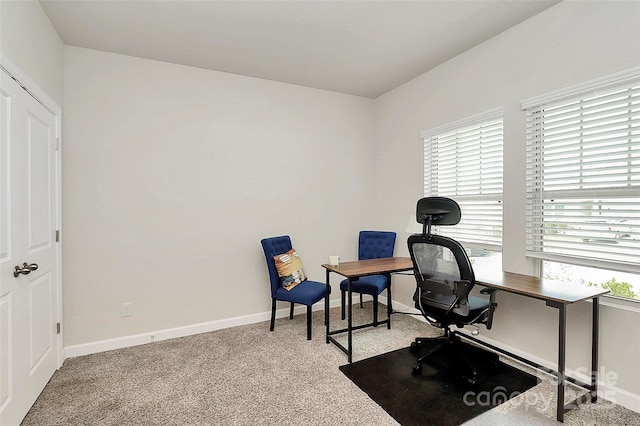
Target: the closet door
(28, 266)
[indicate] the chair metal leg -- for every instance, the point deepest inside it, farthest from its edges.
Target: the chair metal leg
(389, 300)
(375, 310)
(309, 322)
(326, 307)
(389, 305)
(342, 304)
(273, 314)
(291, 311)
(361, 305)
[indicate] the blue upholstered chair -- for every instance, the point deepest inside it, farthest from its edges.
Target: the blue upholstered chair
(372, 245)
(306, 293)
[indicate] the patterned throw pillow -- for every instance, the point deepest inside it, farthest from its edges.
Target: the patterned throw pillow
(289, 267)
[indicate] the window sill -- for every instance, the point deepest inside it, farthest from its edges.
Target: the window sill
(632, 305)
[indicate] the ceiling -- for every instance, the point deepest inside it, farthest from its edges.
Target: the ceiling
(363, 48)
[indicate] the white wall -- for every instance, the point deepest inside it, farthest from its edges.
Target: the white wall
(565, 45)
(29, 40)
(173, 174)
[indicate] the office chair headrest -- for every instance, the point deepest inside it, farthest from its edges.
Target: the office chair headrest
(441, 211)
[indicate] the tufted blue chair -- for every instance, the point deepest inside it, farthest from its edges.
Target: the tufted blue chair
(372, 245)
(306, 293)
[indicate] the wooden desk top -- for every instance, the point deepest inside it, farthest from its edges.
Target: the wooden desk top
(525, 285)
(361, 268)
(540, 288)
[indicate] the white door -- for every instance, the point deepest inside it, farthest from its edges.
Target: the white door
(28, 301)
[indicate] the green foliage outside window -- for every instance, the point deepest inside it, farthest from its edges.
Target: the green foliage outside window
(621, 289)
(628, 287)
(555, 228)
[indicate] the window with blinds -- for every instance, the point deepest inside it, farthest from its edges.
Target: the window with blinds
(463, 161)
(583, 179)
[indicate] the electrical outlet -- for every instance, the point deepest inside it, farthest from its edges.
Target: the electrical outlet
(125, 310)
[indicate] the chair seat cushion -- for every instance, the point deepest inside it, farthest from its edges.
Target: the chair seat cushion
(371, 284)
(306, 293)
(476, 306)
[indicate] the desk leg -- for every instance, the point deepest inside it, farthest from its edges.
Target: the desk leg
(326, 304)
(349, 322)
(595, 325)
(389, 303)
(562, 330)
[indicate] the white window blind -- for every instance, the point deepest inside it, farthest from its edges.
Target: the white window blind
(583, 179)
(464, 162)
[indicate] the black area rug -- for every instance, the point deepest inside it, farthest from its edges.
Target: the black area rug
(439, 395)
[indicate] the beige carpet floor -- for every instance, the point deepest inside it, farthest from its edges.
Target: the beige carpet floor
(249, 376)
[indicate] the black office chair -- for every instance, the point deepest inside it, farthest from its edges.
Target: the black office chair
(444, 277)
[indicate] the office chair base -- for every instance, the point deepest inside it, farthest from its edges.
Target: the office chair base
(469, 374)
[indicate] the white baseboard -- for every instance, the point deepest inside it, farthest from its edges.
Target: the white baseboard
(606, 391)
(188, 330)
(159, 335)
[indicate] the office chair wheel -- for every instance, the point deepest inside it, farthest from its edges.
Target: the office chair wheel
(417, 369)
(472, 379)
(413, 348)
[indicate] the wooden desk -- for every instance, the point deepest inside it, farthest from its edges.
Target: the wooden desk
(556, 295)
(352, 271)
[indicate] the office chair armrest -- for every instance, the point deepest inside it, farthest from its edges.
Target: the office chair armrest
(488, 290)
(492, 304)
